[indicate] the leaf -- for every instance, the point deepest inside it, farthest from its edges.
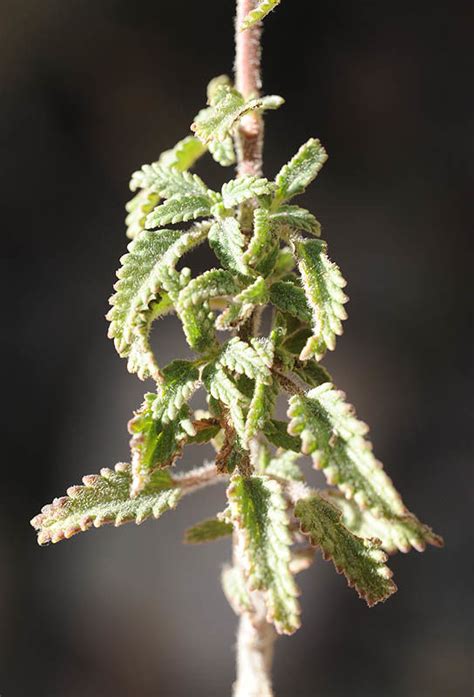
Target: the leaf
(155, 444)
(223, 388)
(261, 409)
(289, 297)
(323, 284)
(311, 373)
(228, 243)
(300, 171)
(263, 8)
(331, 433)
(223, 151)
(194, 310)
(243, 305)
(179, 209)
(261, 242)
(394, 536)
(276, 432)
(243, 189)
(247, 359)
(258, 511)
(207, 531)
(296, 218)
(361, 561)
(283, 466)
(227, 106)
(235, 590)
(180, 381)
(167, 181)
(138, 209)
(184, 154)
(146, 277)
(105, 499)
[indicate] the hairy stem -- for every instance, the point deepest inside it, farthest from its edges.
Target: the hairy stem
(256, 637)
(248, 82)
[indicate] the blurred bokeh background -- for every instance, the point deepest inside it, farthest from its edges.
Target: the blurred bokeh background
(91, 89)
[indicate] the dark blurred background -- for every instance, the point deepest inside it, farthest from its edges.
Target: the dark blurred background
(89, 91)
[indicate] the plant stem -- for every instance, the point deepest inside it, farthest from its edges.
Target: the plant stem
(256, 637)
(248, 81)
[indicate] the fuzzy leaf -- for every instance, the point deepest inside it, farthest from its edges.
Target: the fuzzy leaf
(194, 310)
(276, 432)
(261, 409)
(393, 535)
(263, 8)
(146, 278)
(207, 531)
(105, 499)
(167, 181)
(331, 433)
(262, 242)
(300, 171)
(180, 381)
(228, 243)
(258, 512)
(284, 466)
(243, 189)
(243, 305)
(289, 297)
(138, 209)
(155, 444)
(311, 373)
(184, 154)
(361, 561)
(323, 284)
(235, 590)
(252, 360)
(227, 106)
(296, 218)
(179, 209)
(223, 388)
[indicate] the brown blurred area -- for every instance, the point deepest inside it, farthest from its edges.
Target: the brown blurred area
(91, 90)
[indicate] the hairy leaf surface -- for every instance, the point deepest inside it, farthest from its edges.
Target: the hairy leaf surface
(105, 499)
(361, 561)
(208, 531)
(301, 170)
(258, 511)
(228, 243)
(262, 9)
(178, 209)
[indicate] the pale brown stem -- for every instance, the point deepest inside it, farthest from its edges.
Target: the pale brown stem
(256, 637)
(248, 81)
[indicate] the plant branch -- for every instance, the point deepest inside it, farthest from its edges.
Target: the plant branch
(248, 81)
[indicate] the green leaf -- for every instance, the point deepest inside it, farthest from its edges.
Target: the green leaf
(331, 433)
(261, 408)
(227, 106)
(323, 284)
(208, 531)
(276, 432)
(223, 388)
(178, 209)
(284, 466)
(289, 297)
(235, 590)
(146, 277)
(245, 188)
(155, 444)
(262, 9)
(105, 499)
(184, 154)
(311, 373)
(138, 209)
(228, 243)
(258, 512)
(223, 151)
(296, 218)
(243, 305)
(393, 535)
(300, 171)
(361, 561)
(262, 242)
(167, 181)
(180, 381)
(253, 360)
(194, 310)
